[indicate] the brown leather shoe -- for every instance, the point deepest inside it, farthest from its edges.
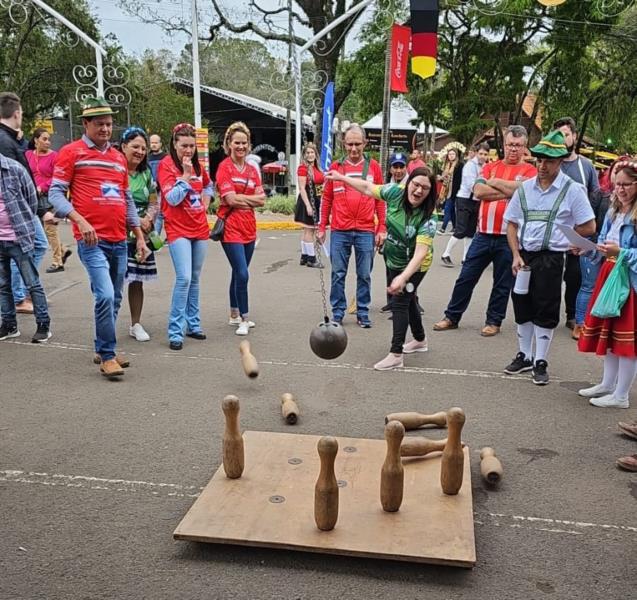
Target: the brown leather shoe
(25, 307)
(577, 331)
(628, 463)
(629, 429)
(445, 324)
(121, 361)
(490, 330)
(110, 368)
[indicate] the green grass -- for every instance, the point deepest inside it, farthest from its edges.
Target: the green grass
(283, 205)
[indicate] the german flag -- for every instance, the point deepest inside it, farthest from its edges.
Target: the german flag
(424, 37)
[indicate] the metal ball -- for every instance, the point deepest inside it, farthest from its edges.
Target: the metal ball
(328, 340)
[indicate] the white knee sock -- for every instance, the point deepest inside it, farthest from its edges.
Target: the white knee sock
(309, 248)
(450, 245)
(302, 247)
(543, 339)
(467, 243)
(625, 376)
(525, 339)
(611, 366)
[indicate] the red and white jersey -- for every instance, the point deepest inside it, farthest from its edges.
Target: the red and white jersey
(241, 224)
(491, 215)
(98, 182)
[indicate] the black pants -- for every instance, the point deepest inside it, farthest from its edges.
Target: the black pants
(573, 281)
(466, 218)
(541, 305)
(405, 313)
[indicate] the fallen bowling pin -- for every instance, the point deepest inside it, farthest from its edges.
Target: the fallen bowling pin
(233, 454)
(490, 466)
(421, 446)
(326, 488)
(452, 461)
(414, 420)
(250, 365)
(392, 475)
(289, 409)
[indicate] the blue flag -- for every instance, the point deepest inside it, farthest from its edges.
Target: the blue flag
(326, 135)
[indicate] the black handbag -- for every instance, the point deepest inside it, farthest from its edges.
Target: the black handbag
(216, 233)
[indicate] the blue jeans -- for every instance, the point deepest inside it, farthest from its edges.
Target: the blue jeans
(11, 254)
(449, 215)
(590, 270)
(484, 249)
(188, 256)
(239, 257)
(105, 264)
(341, 243)
(159, 222)
(41, 245)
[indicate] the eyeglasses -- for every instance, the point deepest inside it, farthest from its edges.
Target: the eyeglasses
(424, 188)
(624, 185)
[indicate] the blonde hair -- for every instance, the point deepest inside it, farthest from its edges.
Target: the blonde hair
(236, 127)
(615, 205)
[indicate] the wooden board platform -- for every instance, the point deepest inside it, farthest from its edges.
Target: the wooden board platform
(272, 504)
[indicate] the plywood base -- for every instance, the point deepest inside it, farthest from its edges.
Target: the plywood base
(272, 504)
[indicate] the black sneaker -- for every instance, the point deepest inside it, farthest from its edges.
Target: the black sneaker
(196, 335)
(519, 364)
(176, 345)
(66, 255)
(386, 308)
(540, 374)
(42, 334)
(7, 332)
(446, 261)
(364, 322)
(55, 269)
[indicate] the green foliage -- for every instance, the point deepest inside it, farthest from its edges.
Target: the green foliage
(278, 203)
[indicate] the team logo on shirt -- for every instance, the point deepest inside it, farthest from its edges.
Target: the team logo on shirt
(195, 200)
(110, 190)
(410, 231)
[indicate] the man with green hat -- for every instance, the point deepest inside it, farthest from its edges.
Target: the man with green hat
(100, 205)
(552, 198)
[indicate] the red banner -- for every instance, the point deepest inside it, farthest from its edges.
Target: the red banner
(400, 37)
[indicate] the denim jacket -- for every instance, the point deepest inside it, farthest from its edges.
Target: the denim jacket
(627, 242)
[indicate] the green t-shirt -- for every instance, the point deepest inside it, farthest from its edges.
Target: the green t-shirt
(142, 187)
(403, 233)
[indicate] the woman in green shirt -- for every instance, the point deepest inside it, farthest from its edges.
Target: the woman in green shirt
(408, 250)
(134, 146)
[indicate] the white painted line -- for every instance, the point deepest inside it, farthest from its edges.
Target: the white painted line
(174, 490)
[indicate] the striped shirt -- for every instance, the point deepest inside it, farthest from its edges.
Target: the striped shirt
(97, 181)
(491, 215)
(20, 201)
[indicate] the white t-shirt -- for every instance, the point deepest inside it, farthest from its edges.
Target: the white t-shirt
(616, 225)
(574, 210)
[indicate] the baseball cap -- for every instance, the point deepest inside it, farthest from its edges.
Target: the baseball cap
(397, 157)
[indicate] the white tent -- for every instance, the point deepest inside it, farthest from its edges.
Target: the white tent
(402, 116)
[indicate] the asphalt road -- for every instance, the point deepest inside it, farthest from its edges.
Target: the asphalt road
(96, 475)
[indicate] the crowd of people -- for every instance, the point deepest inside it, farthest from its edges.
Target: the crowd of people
(540, 216)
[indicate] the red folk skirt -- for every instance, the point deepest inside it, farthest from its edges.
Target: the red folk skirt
(616, 334)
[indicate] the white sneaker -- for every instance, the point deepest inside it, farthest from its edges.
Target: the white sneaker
(391, 361)
(139, 333)
(595, 391)
(243, 329)
(234, 321)
(415, 346)
(610, 401)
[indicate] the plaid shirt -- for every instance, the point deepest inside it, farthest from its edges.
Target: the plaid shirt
(20, 201)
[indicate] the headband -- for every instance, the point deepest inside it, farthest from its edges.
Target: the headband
(181, 126)
(622, 164)
(132, 132)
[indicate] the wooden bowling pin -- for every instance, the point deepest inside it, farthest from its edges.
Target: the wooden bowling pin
(490, 466)
(250, 365)
(414, 420)
(421, 446)
(233, 456)
(289, 409)
(392, 475)
(326, 488)
(452, 462)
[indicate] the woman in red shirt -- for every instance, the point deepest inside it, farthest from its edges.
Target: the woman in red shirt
(185, 195)
(240, 190)
(41, 159)
(308, 204)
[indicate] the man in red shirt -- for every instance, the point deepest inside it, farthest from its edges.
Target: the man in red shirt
(356, 221)
(416, 161)
(95, 175)
(493, 189)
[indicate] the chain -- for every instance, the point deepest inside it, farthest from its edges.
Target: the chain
(317, 245)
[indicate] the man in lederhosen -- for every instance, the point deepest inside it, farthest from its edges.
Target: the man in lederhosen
(535, 209)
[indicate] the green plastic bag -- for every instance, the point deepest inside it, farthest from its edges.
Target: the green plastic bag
(614, 293)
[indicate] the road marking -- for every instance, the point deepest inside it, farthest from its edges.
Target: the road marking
(62, 289)
(174, 490)
(295, 364)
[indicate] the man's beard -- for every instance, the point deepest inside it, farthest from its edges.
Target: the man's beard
(570, 148)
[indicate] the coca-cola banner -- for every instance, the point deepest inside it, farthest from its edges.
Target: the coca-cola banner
(400, 38)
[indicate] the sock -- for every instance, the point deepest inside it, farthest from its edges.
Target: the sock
(450, 244)
(309, 248)
(625, 376)
(467, 243)
(302, 247)
(611, 366)
(543, 339)
(525, 339)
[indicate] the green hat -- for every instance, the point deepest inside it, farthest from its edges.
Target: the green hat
(95, 107)
(552, 145)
